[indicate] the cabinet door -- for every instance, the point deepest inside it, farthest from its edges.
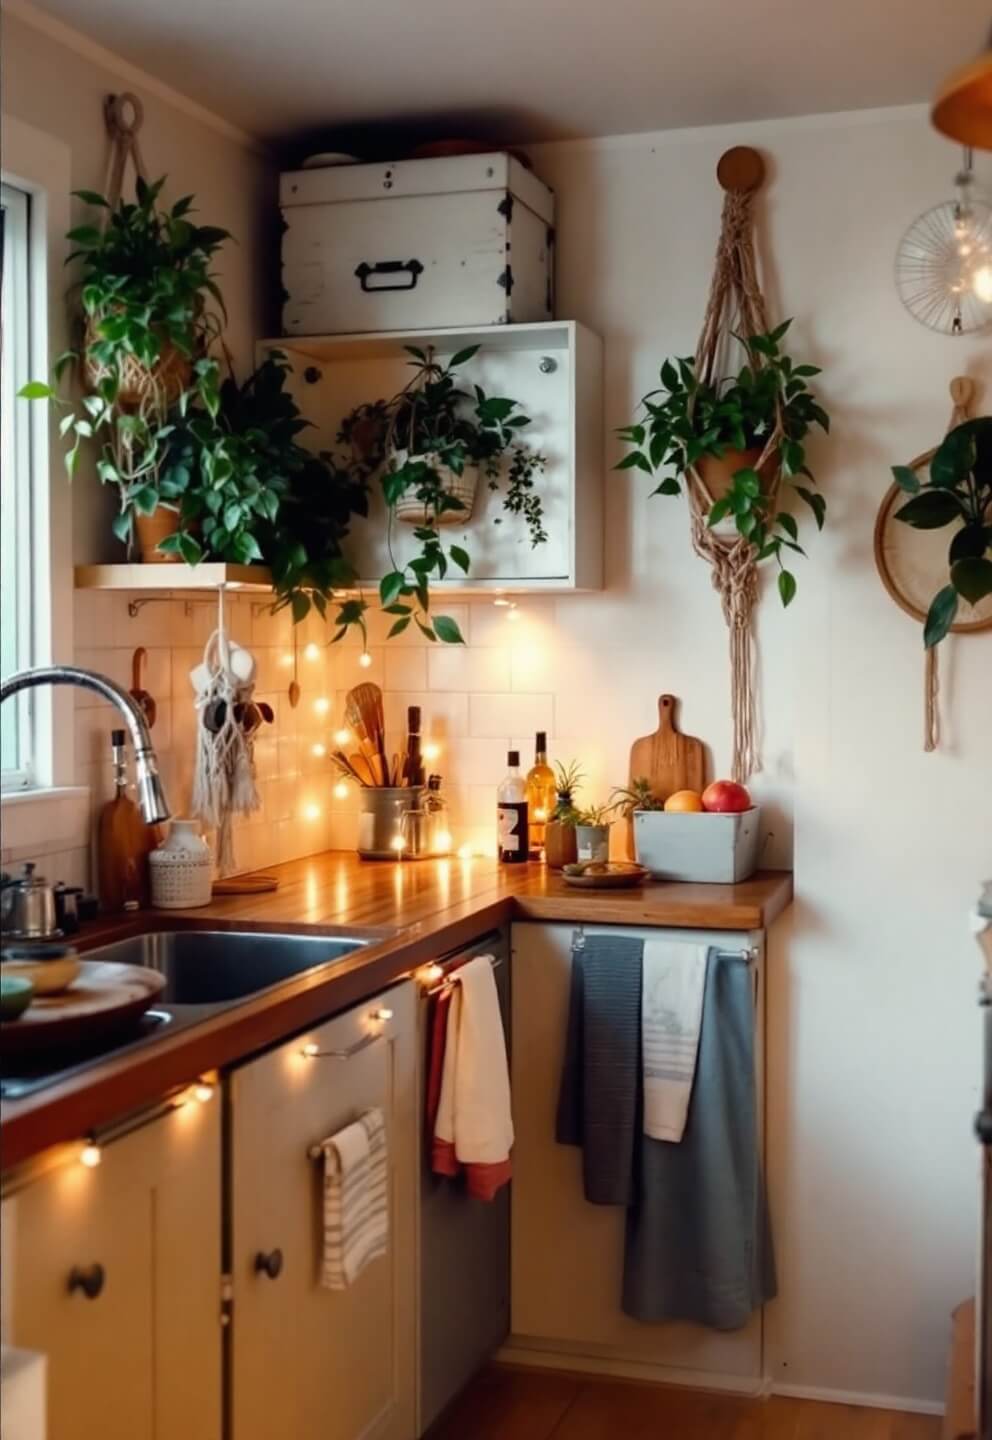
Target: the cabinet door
(140, 1359)
(308, 1361)
(567, 1255)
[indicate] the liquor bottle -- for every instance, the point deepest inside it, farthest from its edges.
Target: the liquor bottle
(511, 814)
(540, 796)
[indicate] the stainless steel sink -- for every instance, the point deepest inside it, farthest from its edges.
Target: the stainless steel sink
(218, 967)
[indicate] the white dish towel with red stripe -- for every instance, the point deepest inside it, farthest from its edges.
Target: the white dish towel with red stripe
(671, 1017)
(356, 1199)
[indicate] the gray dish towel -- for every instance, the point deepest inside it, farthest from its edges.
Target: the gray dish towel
(698, 1242)
(599, 1099)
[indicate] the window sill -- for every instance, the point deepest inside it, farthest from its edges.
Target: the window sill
(40, 822)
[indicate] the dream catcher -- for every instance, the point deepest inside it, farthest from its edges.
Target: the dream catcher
(944, 262)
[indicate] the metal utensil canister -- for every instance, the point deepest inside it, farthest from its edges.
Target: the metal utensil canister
(381, 824)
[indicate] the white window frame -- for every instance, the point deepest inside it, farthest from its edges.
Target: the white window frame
(39, 165)
(16, 465)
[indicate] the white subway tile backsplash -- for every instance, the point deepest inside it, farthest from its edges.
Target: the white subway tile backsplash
(406, 669)
(458, 667)
(475, 761)
(509, 715)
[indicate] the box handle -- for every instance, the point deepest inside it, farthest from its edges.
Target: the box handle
(412, 268)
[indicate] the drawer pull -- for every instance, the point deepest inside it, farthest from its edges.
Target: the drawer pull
(311, 1052)
(270, 1264)
(90, 1279)
(410, 268)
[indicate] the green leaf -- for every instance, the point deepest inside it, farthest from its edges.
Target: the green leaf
(460, 557)
(461, 357)
(940, 616)
(668, 486)
(635, 460)
(190, 549)
(145, 500)
(906, 479)
(953, 459)
(390, 587)
(397, 609)
(425, 630)
(447, 630)
(90, 197)
(786, 586)
(669, 376)
(36, 390)
(788, 524)
(971, 577)
(300, 606)
(121, 525)
(815, 502)
(398, 627)
(971, 540)
(88, 236)
(718, 511)
(930, 510)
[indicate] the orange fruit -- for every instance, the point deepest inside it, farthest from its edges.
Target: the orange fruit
(684, 802)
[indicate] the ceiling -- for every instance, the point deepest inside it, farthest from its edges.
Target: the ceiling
(527, 70)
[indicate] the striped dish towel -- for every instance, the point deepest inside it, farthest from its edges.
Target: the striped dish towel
(674, 975)
(356, 1212)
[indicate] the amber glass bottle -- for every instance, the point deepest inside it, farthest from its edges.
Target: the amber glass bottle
(540, 796)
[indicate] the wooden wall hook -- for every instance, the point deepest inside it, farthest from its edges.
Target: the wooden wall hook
(741, 168)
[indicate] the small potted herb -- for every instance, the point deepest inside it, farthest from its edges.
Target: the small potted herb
(560, 846)
(428, 445)
(719, 433)
(956, 492)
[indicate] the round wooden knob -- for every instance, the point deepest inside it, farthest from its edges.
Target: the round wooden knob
(740, 169)
(270, 1264)
(87, 1278)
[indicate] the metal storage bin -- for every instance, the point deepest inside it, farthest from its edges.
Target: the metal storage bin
(460, 241)
(720, 849)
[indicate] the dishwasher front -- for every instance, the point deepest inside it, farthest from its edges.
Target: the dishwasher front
(464, 1243)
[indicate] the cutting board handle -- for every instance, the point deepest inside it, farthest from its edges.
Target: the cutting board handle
(666, 712)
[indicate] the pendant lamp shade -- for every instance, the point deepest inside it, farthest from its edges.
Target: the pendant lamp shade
(963, 107)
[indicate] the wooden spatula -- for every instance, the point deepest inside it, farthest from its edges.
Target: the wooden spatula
(669, 760)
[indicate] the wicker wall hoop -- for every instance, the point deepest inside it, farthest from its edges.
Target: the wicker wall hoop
(912, 603)
(735, 306)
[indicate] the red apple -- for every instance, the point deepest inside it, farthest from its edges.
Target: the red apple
(726, 797)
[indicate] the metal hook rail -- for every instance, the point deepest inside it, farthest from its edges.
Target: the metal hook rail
(451, 976)
(747, 956)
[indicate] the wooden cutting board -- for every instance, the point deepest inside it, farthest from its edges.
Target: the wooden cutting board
(105, 998)
(668, 759)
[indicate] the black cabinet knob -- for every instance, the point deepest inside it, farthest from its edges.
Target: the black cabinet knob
(270, 1264)
(89, 1279)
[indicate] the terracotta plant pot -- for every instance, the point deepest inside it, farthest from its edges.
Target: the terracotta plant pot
(150, 529)
(717, 473)
(560, 844)
(463, 487)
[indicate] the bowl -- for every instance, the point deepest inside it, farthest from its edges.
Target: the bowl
(16, 995)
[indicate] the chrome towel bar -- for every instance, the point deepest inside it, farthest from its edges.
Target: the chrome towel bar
(748, 955)
(450, 976)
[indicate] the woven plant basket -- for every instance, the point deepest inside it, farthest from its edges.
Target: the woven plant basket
(463, 487)
(717, 472)
(165, 380)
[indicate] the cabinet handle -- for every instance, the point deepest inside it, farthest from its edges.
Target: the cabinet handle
(89, 1279)
(410, 268)
(270, 1264)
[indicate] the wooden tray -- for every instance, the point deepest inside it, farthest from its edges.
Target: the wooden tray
(105, 998)
(617, 879)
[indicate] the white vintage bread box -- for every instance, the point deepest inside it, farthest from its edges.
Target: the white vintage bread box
(465, 240)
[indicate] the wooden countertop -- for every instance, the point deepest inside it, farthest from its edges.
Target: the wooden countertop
(420, 909)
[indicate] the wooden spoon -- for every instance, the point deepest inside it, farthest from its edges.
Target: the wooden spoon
(138, 693)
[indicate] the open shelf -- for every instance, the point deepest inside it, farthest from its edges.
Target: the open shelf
(208, 576)
(545, 335)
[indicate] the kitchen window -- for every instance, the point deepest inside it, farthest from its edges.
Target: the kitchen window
(17, 648)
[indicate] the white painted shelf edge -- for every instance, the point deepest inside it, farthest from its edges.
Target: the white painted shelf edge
(543, 334)
(208, 576)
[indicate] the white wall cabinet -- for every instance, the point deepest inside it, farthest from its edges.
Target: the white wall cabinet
(114, 1275)
(554, 370)
(567, 1255)
(307, 1361)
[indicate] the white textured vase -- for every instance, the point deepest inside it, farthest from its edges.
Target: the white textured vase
(182, 869)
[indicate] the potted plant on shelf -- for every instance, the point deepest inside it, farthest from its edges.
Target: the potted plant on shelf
(249, 492)
(560, 846)
(736, 438)
(958, 492)
(592, 832)
(145, 292)
(428, 445)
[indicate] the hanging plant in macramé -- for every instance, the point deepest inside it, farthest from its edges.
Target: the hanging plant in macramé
(736, 440)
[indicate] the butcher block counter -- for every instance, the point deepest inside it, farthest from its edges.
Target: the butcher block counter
(420, 910)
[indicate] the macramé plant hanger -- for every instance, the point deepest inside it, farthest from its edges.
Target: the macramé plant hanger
(912, 565)
(735, 306)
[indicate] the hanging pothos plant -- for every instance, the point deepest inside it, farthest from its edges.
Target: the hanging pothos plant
(690, 422)
(145, 291)
(427, 446)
